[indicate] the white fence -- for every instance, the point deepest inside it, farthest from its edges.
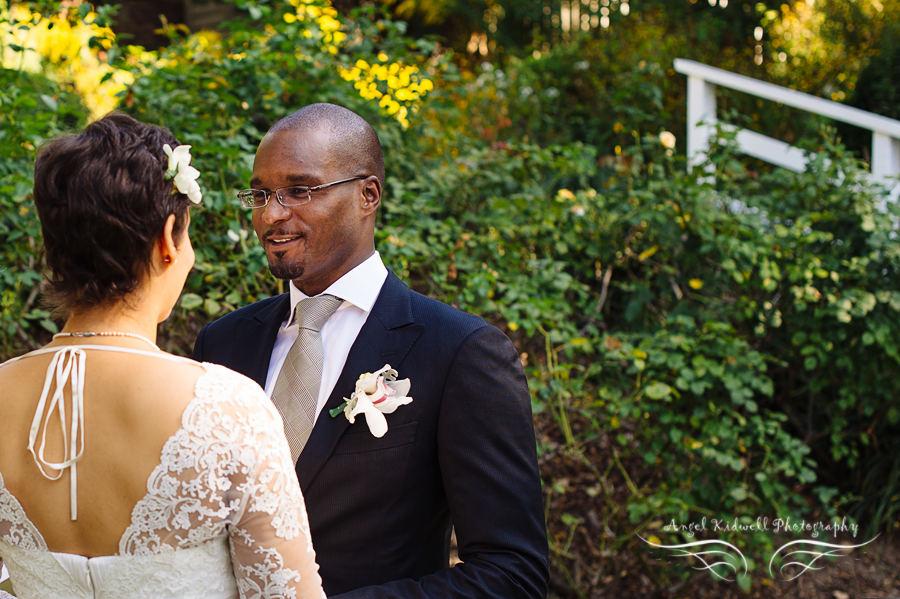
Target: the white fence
(701, 117)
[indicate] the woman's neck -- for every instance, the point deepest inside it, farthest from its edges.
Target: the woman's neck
(115, 319)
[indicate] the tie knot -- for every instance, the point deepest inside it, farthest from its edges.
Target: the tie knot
(313, 312)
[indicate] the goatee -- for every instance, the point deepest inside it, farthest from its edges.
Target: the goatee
(285, 270)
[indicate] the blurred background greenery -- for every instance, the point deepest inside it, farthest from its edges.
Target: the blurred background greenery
(723, 349)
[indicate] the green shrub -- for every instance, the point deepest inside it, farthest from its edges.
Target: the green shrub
(32, 109)
(738, 338)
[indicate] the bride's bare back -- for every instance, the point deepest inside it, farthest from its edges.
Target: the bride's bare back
(132, 405)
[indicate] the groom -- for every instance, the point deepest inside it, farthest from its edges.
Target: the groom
(461, 454)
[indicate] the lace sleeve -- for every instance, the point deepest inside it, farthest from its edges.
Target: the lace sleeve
(272, 553)
(4, 594)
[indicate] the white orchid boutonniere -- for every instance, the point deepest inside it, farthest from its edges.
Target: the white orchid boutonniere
(376, 394)
(184, 174)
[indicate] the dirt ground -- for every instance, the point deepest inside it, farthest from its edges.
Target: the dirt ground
(595, 553)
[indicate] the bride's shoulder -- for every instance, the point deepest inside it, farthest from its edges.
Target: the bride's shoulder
(219, 384)
(218, 374)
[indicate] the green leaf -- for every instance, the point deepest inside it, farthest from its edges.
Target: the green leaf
(212, 307)
(50, 102)
(569, 520)
(657, 390)
(190, 301)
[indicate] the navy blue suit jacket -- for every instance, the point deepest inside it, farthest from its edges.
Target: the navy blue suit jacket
(461, 454)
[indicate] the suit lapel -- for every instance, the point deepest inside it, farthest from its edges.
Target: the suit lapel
(386, 338)
(255, 337)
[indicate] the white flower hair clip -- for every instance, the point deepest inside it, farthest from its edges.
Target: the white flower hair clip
(185, 175)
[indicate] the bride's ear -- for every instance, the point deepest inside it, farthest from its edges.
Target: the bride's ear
(168, 249)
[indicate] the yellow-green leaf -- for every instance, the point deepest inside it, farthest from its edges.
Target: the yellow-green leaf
(647, 253)
(657, 390)
(189, 301)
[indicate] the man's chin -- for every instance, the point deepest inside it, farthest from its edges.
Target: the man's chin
(286, 272)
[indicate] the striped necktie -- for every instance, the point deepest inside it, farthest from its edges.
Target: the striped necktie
(297, 387)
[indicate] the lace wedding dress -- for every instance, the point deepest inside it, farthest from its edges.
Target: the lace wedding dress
(223, 516)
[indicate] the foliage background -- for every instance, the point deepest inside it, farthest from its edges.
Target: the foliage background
(724, 349)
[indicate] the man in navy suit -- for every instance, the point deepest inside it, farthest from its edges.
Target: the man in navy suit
(461, 455)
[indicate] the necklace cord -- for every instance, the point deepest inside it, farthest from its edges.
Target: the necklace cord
(108, 334)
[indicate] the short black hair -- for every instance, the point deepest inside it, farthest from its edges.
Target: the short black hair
(352, 138)
(103, 199)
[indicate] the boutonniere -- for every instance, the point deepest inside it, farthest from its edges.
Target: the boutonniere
(376, 394)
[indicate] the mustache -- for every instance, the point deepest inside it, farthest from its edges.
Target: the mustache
(266, 236)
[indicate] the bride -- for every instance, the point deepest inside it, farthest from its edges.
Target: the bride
(125, 471)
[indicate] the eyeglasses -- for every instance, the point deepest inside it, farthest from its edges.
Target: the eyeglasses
(294, 195)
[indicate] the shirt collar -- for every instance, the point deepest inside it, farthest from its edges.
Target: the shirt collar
(359, 287)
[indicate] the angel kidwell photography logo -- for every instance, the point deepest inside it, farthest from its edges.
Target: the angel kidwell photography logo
(738, 551)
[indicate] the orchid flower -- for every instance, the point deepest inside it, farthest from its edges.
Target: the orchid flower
(377, 394)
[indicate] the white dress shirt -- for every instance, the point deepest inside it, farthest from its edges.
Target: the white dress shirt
(359, 289)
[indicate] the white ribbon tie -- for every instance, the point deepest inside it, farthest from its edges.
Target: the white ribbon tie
(67, 365)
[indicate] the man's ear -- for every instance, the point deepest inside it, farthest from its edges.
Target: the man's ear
(371, 195)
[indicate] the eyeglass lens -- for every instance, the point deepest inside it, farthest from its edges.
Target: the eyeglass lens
(294, 195)
(288, 195)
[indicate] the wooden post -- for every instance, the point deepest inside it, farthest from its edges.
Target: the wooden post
(701, 101)
(886, 160)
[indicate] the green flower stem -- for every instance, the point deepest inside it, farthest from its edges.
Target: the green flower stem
(334, 413)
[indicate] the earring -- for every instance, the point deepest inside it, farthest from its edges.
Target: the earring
(168, 260)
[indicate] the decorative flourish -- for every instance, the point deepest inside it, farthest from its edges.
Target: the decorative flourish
(184, 174)
(835, 552)
(376, 394)
(683, 552)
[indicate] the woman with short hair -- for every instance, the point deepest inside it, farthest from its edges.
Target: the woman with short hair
(125, 471)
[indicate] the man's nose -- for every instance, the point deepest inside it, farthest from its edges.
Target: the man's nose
(274, 212)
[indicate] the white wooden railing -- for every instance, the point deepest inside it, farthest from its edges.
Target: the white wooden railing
(701, 117)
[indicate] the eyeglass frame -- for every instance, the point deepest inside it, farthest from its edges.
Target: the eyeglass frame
(277, 195)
